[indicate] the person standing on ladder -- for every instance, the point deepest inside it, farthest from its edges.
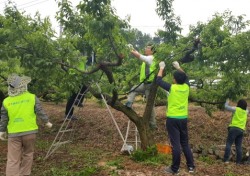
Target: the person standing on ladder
(18, 117)
(146, 78)
(74, 99)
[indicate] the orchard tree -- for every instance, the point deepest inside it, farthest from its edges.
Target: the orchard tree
(29, 46)
(106, 35)
(222, 67)
(171, 22)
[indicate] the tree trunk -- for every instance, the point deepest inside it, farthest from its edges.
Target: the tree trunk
(146, 134)
(142, 123)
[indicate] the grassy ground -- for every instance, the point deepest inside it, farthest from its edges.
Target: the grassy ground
(96, 145)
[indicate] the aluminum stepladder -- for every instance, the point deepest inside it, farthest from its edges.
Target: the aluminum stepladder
(126, 147)
(68, 127)
(136, 141)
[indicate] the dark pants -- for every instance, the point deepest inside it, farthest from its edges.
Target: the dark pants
(178, 134)
(235, 135)
(70, 103)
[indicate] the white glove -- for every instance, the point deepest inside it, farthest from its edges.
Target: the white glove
(48, 124)
(130, 46)
(162, 65)
(176, 65)
(3, 136)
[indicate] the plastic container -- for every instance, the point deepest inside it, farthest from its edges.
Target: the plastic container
(164, 148)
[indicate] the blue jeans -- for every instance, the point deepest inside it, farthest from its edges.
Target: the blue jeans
(235, 135)
(178, 134)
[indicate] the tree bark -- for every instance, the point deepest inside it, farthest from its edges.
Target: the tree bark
(141, 122)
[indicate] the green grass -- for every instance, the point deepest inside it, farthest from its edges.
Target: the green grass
(116, 162)
(151, 157)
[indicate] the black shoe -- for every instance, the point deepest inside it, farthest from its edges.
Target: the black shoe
(168, 170)
(191, 170)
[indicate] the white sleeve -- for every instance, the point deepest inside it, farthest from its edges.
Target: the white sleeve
(147, 59)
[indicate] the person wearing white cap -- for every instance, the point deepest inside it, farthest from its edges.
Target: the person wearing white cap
(18, 120)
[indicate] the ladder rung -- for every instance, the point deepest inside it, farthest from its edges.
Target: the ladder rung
(61, 143)
(63, 131)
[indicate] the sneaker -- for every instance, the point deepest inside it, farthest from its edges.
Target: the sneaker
(191, 170)
(128, 104)
(169, 170)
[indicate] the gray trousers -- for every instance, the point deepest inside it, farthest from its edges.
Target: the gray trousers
(20, 155)
(143, 89)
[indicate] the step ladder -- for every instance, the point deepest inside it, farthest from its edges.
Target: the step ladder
(131, 133)
(127, 147)
(67, 130)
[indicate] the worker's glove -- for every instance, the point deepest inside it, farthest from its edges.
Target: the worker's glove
(48, 124)
(3, 136)
(162, 65)
(176, 65)
(130, 46)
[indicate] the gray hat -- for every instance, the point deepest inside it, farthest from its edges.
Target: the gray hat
(17, 84)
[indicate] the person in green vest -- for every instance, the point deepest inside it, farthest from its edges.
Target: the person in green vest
(74, 99)
(236, 129)
(146, 78)
(18, 118)
(177, 115)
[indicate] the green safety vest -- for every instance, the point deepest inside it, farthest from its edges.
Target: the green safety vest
(178, 101)
(146, 70)
(239, 118)
(21, 113)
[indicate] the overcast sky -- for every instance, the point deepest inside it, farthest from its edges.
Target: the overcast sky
(142, 12)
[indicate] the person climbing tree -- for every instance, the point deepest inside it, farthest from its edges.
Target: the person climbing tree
(146, 78)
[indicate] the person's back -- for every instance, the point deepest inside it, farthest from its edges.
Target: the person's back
(176, 117)
(236, 129)
(18, 118)
(22, 118)
(178, 101)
